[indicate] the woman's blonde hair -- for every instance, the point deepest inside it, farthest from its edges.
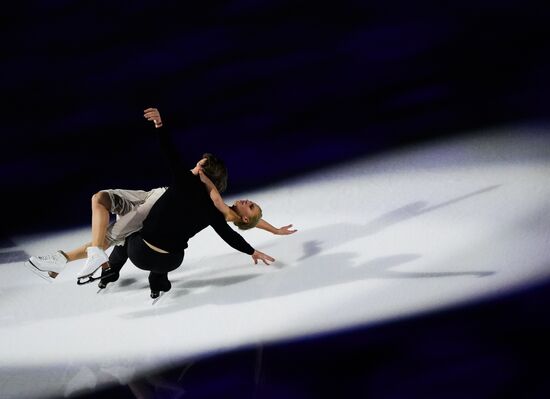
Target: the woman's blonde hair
(252, 221)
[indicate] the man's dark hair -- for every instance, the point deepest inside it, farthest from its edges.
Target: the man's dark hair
(216, 171)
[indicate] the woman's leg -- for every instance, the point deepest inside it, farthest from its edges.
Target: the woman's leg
(120, 202)
(131, 220)
(75, 254)
(101, 204)
(80, 252)
(53, 264)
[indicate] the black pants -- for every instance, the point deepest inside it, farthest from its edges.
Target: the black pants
(145, 258)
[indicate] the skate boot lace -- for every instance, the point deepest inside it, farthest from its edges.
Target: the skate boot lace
(52, 258)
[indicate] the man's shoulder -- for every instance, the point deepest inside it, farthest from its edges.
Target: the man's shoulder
(187, 178)
(215, 215)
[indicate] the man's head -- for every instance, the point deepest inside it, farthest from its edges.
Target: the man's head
(215, 169)
(249, 212)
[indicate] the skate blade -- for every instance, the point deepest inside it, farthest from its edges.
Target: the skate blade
(103, 289)
(36, 271)
(90, 278)
(158, 298)
(89, 275)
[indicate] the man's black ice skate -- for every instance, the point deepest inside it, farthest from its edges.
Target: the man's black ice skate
(108, 276)
(155, 294)
(159, 283)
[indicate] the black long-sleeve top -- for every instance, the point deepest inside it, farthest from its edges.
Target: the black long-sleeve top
(185, 209)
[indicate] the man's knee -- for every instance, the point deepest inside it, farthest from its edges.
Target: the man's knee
(102, 198)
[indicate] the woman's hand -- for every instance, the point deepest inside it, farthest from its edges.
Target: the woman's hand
(285, 230)
(153, 114)
(205, 179)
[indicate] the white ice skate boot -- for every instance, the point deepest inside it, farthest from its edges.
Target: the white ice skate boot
(47, 267)
(96, 257)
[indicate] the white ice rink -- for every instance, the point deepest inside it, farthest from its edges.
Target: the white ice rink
(400, 234)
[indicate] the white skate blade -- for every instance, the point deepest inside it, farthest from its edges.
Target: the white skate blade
(37, 272)
(89, 271)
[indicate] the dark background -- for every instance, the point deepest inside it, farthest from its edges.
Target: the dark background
(276, 88)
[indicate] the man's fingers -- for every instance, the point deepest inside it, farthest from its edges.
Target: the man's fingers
(266, 258)
(263, 257)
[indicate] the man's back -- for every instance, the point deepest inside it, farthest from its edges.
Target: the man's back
(180, 213)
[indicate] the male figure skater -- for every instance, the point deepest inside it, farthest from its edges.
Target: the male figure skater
(181, 212)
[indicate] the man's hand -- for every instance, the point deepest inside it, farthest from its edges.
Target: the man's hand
(257, 255)
(152, 114)
(285, 230)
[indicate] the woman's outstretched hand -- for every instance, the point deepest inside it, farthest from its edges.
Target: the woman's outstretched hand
(257, 255)
(285, 230)
(153, 114)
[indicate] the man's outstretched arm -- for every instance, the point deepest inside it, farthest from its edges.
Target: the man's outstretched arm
(235, 240)
(166, 143)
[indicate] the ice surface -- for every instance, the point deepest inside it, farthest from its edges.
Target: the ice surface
(405, 233)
